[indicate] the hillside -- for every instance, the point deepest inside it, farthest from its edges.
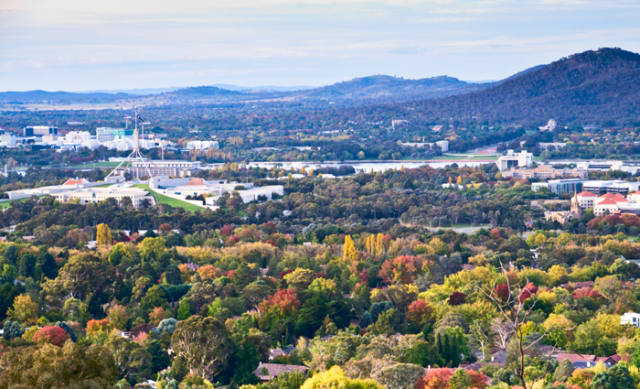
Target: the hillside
(385, 87)
(60, 97)
(590, 86)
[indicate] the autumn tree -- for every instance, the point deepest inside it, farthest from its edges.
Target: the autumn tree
(349, 253)
(402, 269)
(103, 235)
(335, 378)
(51, 334)
(24, 309)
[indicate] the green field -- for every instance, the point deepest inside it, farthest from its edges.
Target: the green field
(162, 199)
(93, 165)
(5, 204)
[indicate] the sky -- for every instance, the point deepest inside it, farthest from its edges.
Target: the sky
(80, 45)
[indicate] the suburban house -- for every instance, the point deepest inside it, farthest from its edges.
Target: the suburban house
(630, 318)
(268, 371)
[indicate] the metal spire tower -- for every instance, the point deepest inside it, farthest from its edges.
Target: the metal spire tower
(135, 156)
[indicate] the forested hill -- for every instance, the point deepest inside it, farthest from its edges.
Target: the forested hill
(592, 86)
(385, 87)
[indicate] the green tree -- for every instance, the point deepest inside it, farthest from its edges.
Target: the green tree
(204, 344)
(459, 380)
(132, 360)
(616, 377)
(47, 366)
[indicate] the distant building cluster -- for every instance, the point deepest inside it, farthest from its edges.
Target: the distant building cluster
(188, 189)
(574, 185)
(93, 195)
(120, 139)
(544, 172)
(514, 160)
(443, 145)
(606, 204)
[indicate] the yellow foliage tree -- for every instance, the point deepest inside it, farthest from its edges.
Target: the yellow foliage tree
(335, 378)
(103, 235)
(349, 253)
(24, 309)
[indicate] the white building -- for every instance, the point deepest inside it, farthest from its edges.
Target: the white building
(202, 144)
(513, 159)
(181, 188)
(550, 126)
(586, 199)
(40, 130)
(94, 195)
(170, 168)
(630, 318)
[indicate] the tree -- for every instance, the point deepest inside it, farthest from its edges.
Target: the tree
(598, 335)
(459, 380)
(51, 334)
(399, 375)
(48, 366)
(349, 253)
(75, 310)
(12, 329)
(103, 235)
(132, 360)
(403, 269)
(514, 314)
(24, 309)
(335, 378)
(204, 344)
(616, 377)
(118, 316)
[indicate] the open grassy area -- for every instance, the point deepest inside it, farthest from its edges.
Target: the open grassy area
(5, 204)
(92, 165)
(162, 199)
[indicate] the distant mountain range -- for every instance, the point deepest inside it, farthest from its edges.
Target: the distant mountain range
(594, 85)
(367, 89)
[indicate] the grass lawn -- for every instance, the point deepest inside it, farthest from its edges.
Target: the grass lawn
(93, 165)
(7, 203)
(162, 199)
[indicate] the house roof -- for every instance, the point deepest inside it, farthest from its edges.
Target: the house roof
(613, 196)
(70, 182)
(195, 182)
(610, 202)
(585, 193)
(268, 371)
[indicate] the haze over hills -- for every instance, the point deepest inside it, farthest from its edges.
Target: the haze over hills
(592, 86)
(366, 89)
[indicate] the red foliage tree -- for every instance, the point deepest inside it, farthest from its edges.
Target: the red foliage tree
(51, 334)
(419, 313)
(529, 290)
(457, 298)
(502, 291)
(285, 299)
(439, 379)
(587, 292)
(402, 269)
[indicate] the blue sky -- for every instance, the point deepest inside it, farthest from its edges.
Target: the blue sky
(118, 44)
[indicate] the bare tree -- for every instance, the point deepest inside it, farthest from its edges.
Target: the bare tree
(507, 298)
